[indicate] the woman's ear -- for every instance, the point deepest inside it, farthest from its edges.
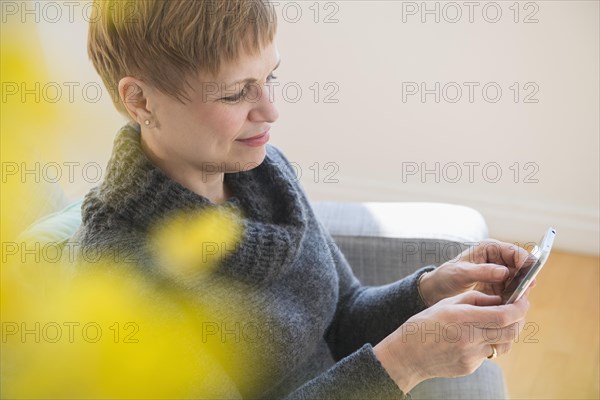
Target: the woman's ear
(133, 94)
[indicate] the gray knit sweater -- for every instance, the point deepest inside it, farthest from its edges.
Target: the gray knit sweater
(286, 266)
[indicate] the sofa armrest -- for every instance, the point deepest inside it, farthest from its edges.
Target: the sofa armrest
(384, 242)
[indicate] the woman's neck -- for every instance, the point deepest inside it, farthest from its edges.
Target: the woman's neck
(207, 184)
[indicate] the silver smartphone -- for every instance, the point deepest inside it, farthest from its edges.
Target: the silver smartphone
(533, 264)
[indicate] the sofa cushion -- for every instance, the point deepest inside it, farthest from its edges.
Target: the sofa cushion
(384, 242)
(436, 221)
(55, 228)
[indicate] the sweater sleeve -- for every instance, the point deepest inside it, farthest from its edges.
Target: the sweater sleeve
(367, 314)
(358, 376)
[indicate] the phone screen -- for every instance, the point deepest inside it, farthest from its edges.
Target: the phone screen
(531, 262)
(515, 288)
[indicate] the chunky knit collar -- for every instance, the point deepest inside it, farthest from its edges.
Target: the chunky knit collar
(136, 193)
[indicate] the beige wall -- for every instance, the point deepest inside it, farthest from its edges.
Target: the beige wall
(369, 59)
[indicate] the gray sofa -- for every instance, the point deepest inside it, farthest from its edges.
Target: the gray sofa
(382, 242)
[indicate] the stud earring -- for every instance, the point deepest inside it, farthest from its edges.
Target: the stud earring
(147, 122)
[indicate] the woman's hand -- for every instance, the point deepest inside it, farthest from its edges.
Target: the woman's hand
(484, 267)
(451, 338)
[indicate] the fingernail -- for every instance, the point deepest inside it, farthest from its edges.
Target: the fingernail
(499, 273)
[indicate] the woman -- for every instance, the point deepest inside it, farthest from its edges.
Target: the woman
(193, 79)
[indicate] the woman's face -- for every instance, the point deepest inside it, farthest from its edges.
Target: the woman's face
(205, 134)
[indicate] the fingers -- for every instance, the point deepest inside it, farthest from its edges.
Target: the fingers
(476, 298)
(501, 339)
(488, 273)
(497, 252)
(500, 315)
(506, 334)
(498, 323)
(519, 255)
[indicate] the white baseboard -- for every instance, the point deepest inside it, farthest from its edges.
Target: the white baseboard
(513, 220)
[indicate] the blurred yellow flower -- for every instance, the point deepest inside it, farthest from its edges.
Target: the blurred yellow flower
(108, 332)
(195, 242)
(104, 331)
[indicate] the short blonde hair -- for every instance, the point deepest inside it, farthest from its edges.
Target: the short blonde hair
(163, 42)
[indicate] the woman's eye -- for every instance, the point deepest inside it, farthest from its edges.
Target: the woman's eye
(244, 91)
(237, 97)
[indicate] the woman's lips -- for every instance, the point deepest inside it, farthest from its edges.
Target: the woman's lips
(256, 140)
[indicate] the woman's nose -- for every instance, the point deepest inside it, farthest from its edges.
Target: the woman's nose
(264, 105)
